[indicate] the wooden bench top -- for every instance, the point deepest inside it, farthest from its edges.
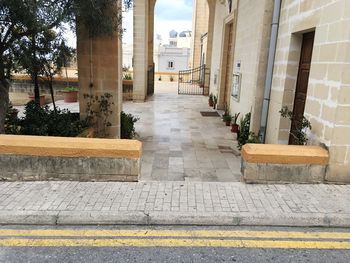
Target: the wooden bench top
(284, 154)
(69, 147)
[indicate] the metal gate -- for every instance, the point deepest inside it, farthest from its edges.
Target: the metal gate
(192, 81)
(150, 80)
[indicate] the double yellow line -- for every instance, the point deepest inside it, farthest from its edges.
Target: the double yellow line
(174, 238)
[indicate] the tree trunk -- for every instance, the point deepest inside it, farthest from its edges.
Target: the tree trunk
(35, 72)
(36, 89)
(52, 96)
(4, 102)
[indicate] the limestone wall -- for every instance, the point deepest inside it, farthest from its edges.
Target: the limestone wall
(221, 11)
(328, 97)
(252, 23)
(251, 50)
(200, 27)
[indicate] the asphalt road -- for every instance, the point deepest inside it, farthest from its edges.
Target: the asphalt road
(173, 244)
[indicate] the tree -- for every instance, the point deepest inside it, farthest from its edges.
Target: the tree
(28, 20)
(12, 28)
(53, 62)
(23, 20)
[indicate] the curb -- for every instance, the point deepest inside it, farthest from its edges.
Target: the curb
(168, 218)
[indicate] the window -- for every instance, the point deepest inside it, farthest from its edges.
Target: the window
(171, 65)
(236, 86)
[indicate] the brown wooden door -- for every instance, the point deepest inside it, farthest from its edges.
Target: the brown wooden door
(302, 83)
(229, 63)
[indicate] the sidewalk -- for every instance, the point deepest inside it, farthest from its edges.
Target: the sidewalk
(192, 203)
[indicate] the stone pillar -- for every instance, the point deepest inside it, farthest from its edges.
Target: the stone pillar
(211, 21)
(141, 38)
(100, 72)
(150, 78)
(200, 27)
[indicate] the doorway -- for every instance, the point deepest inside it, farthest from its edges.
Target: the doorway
(226, 64)
(229, 64)
(302, 84)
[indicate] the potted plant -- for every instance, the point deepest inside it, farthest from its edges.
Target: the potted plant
(215, 100)
(70, 94)
(227, 119)
(211, 100)
(235, 126)
(226, 112)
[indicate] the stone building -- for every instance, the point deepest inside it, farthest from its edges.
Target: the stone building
(174, 56)
(308, 70)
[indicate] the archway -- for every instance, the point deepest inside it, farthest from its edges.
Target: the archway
(143, 50)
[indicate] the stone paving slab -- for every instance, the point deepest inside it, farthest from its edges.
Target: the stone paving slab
(187, 203)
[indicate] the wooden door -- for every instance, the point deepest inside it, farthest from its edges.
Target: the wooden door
(229, 63)
(302, 83)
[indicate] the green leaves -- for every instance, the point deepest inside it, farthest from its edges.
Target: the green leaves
(43, 121)
(127, 123)
(301, 126)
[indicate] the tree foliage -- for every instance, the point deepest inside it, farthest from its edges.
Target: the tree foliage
(26, 25)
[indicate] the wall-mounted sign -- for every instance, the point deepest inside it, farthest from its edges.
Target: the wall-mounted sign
(238, 66)
(236, 86)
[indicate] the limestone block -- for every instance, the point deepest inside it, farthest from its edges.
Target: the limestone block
(283, 173)
(338, 173)
(37, 168)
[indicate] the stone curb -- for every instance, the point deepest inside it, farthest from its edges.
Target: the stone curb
(168, 218)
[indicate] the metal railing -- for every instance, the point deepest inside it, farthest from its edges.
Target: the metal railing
(192, 81)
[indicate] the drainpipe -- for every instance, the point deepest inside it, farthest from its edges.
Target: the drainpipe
(269, 71)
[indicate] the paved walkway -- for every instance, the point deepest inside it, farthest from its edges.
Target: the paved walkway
(178, 143)
(181, 145)
(202, 203)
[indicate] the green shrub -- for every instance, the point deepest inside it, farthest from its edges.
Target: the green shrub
(45, 122)
(127, 121)
(127, 76)
(70, 89)
(299, 134)
(11, 120)
(244, 134)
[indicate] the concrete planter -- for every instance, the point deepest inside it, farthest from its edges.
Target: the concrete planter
(42, 99)
(128, 89)
(70, 96)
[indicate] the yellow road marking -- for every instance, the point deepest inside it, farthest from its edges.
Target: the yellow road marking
(174, 233)
(173, 243)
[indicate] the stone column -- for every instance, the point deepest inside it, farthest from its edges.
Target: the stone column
(150, 79)
(211, 21)
(99, 67)
(141, 32)
(200, 27)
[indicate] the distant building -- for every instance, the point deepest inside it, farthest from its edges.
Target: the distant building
(174, 56)
(171, 59)
(127, 55)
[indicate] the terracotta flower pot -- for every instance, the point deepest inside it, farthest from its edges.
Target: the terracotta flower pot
(70, 96)
(42, 99)
(211, 103)
(234, 127)
(228, 123)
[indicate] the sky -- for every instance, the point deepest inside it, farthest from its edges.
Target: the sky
(169, 14)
